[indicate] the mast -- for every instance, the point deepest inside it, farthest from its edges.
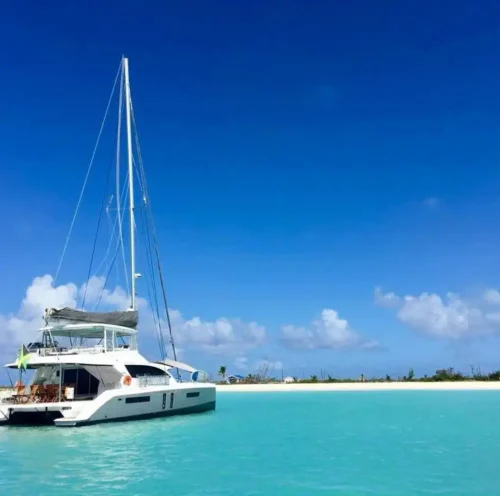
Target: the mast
(130, 185)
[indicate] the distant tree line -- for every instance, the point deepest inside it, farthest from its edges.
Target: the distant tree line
(441, 375)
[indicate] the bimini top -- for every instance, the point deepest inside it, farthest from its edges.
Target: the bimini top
(127, 318)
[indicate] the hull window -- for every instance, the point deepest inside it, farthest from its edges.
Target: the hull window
(138, 399)
(193, 395)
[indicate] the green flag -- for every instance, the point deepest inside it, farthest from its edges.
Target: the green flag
(23, 358)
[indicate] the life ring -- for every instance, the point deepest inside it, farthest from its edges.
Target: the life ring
(127, 380)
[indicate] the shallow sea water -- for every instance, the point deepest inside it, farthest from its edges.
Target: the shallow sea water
(406, 443)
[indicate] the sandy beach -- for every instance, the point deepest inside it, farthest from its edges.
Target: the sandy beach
(362, 386)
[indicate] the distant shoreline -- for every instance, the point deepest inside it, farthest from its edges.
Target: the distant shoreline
(361, 386)
(346, 386)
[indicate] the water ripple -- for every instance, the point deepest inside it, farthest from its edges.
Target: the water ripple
(388, 443)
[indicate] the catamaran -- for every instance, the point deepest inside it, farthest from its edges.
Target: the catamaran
(86, 366)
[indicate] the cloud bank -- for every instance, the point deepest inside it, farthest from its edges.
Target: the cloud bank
(221, 336)
(449, 317)
(327, 332)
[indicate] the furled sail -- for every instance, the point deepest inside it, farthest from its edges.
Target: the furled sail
(127, 318)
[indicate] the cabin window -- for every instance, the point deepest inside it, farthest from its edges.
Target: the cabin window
(193, 395)
(83, 382)
(142, 370)
(138, 399)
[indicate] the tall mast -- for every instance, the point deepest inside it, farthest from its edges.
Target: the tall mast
(130, 184)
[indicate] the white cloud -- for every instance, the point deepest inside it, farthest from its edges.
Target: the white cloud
(222, 336)
(118, 299)
(492, 296)
(21, 326)
(328, 332)
(452, 317)
(386, 299)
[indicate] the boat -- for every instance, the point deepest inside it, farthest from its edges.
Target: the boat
(86, 367)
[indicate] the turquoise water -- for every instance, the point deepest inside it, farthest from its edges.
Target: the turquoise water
(346, 443)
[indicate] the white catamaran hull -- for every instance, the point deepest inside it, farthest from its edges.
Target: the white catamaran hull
(114, 405)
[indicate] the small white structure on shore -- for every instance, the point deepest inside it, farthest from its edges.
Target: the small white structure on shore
(288, 380)
(234, 379)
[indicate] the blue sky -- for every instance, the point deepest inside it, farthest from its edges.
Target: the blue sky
(299, 155)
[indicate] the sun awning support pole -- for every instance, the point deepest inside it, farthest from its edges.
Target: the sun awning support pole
(60, 381)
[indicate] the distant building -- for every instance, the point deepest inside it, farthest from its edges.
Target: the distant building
(288, 380)
(234, 379)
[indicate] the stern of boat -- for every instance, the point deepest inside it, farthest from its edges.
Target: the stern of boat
(37, 413)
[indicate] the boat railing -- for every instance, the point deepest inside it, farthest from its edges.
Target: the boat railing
(153, 380)
(68, 351)
(75, 350)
